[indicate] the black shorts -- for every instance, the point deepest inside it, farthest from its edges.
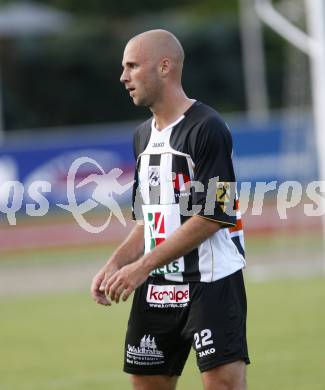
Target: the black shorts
(168, 317)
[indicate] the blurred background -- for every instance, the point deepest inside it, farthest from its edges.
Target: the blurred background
(60, 99)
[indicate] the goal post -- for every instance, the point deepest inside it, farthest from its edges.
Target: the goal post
(313, 44)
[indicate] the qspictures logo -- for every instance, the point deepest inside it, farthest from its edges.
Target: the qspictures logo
(105, 187)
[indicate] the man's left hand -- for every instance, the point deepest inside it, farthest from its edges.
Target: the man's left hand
(125, 281)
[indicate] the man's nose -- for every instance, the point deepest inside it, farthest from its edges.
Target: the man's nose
(124, 77)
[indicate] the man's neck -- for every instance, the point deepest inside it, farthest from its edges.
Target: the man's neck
(170, 109)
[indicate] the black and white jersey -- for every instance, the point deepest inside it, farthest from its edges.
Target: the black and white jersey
(185, 169)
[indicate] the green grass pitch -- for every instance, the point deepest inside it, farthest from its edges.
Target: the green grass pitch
(67, 342)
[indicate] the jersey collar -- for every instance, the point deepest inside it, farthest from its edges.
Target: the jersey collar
(153, 125)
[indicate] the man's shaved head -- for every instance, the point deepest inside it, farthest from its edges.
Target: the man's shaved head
(159, 44)
(152, 67)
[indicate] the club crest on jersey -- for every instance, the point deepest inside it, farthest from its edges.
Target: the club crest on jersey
(223, 195)
(156, 228)
(154, 176)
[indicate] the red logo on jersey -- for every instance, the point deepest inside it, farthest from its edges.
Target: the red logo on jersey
(180, 181)
(157, 229)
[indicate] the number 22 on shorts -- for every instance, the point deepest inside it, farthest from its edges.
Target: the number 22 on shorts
(202, 339)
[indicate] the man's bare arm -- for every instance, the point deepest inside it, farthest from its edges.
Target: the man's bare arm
(128, 252)
(131, 248)
(187, 237)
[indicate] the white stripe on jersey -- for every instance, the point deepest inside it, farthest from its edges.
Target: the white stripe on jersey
(143, 178)
(167, 195)
(206, 261)
(177, 277)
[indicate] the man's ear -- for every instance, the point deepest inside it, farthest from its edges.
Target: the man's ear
(165, 66)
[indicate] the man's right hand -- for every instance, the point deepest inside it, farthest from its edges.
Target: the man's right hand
(128, 252)
(99, 283)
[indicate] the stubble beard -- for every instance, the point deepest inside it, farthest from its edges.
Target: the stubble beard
(149, 97)
(142, 102)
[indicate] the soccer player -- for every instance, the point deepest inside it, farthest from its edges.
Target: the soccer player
(184, 263)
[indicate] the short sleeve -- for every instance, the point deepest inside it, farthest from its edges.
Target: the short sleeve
(214, 170)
